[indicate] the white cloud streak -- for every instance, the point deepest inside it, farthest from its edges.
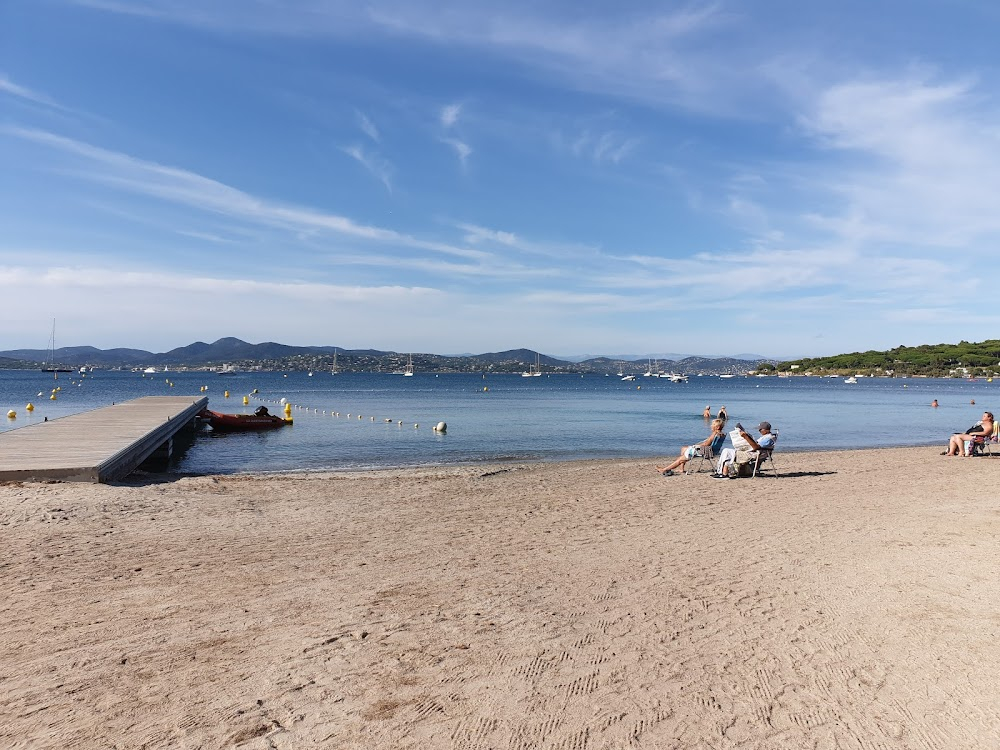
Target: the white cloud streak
(192, 190)
(462, 150)
(449, 115)
(929, 166)
(649, 56)
(375, 164)
(368, 127)
(7, 86)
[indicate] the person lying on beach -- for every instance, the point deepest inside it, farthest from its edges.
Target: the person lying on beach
(956, 443)
(739, 456)
(691, 451)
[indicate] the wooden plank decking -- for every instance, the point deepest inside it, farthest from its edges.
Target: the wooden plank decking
(95, 446)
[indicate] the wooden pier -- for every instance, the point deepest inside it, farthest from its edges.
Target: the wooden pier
(102, 445)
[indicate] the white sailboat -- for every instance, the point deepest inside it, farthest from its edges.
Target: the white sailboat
(535, 370)
(333, 371)
(49, 365)
(408, 372)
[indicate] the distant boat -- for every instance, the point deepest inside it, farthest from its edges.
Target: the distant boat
(851, 380)
(535, 370)
(226, 369)
(333, 370)
(727, 376)
(408, 372)
(149, 371)
(629, 377)
(50, 356)
(676, 377)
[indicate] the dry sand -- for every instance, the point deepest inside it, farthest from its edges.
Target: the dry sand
(850, 603)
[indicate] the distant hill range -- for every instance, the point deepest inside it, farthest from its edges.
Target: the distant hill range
(273, 356)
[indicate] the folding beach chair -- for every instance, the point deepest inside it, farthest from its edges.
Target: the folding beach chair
(765, 459)
(708, 453)
(980, 444)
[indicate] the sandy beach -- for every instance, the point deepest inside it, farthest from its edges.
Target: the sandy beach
(849, 603)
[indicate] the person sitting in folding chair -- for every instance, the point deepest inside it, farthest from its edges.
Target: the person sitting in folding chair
(959, 443)
(692, 451)
(746, 452)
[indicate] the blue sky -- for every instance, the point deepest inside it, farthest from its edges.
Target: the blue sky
(573, 177)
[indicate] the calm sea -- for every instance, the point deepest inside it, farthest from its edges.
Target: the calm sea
(510, 418)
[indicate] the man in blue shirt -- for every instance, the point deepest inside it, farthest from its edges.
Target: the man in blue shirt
(744, 454)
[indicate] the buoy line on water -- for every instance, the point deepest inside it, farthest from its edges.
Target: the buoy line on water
(440, 428)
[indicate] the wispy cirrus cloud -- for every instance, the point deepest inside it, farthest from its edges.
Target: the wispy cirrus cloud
(480, 236)
(207, 236)
(607, 147)
(10, 88)
(367, 126)
(190, 189)
(920, 166)
(449, 115)
(380, 168)
(462, 150)
(648, 54)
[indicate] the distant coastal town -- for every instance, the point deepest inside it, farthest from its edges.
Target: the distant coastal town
(231, 355)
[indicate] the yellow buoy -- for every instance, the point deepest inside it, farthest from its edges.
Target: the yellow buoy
(29, 407)
(485, 389)
(288, 409)
(52, 397)
(226, 394)
(246, 400)
(12, 414)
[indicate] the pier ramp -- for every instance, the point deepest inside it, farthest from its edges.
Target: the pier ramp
(102, 445)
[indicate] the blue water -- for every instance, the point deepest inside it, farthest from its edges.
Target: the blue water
(554, 417)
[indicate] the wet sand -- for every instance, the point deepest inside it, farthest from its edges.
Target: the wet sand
(849, 603)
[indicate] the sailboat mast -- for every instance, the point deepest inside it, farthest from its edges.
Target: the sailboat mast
(52, 352)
